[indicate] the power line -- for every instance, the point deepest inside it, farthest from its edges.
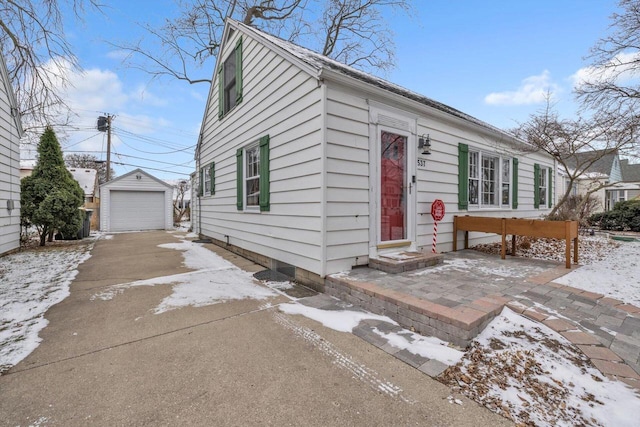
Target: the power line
(145, 167)
(154, 152)
(149, 160)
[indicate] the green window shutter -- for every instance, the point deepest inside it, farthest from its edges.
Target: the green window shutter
(201, 183)
(265, 199)
(239, 71)
(550, 187)
(514, 184)
(221, 92)
(239, 180)
(536, 185)
(463, 176)
(212, 176)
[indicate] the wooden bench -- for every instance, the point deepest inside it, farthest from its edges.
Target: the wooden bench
(567, 230)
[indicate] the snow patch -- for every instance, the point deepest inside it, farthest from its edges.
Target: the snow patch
(616, 276)
(339, 320)
(32, 282)
(429, 347)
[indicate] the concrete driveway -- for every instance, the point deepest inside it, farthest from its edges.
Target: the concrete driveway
(116, 363)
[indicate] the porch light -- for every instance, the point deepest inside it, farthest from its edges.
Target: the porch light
(424, 144)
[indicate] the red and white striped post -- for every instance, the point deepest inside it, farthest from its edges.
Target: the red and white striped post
(437, 213)
(435, 236)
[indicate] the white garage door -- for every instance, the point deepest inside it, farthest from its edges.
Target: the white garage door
(137, 210)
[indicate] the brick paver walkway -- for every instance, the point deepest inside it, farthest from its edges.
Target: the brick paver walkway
(457, 299)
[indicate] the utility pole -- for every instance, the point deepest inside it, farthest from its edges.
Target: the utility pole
(104, 124)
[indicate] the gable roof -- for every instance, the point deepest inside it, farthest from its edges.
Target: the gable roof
(133, 172)
(321, 66)
(602, 161)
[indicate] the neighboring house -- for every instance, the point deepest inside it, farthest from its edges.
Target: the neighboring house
(26, 167)
(10, 134)
(307, 163)
(630, 179)
(600, 168)
(88, 180)
(136, 201)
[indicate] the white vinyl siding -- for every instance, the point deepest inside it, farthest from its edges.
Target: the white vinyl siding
(281, 101)
(347, 181)
(9, 167)
(439, 180)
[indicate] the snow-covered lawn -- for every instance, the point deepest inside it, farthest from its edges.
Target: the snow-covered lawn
(517, 367)
(30, 283)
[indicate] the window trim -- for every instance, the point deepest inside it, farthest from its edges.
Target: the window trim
(497, 191)
(245, 175)
(264, 198)
(207, 175)
(540, 172)
(223, 109)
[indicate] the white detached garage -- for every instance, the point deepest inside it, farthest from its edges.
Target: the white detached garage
(136, 201)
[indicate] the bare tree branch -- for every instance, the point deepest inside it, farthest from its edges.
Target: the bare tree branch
(37, 53)
(612, 81)
(577, 144)
(351, 31)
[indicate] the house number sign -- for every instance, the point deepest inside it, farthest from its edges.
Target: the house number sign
(422, 163)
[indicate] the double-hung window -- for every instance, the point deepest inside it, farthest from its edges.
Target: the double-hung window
(489, 180)
(230, 81)
(506, 181)
(207, 180)
(253, 178)
(490, 175)
(542, 190)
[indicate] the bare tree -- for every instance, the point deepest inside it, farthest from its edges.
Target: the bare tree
(612, 81)
(579, 143)
(351, 31)
(180, 205)
(89, 161)
(38, 56)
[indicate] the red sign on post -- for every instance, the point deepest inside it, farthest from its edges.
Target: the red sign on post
(437, 210)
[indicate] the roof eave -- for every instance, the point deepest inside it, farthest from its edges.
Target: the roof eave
(338, 77)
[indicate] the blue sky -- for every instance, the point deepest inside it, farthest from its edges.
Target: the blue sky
(493, 60)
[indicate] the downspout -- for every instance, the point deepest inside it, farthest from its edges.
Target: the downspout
(323, 168)
(198, 177)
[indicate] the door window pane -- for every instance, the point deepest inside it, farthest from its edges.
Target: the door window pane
(393, 159)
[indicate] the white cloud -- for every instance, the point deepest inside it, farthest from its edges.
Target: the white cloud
(622, 69)
(96, 90)
(119, 55)
(532, 90)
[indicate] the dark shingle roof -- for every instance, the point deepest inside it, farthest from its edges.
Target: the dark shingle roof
(602, 164)
(320, 62)
(630, 173)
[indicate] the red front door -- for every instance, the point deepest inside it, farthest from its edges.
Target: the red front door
(393, 197)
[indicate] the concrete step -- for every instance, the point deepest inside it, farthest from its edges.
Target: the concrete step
(399, 262)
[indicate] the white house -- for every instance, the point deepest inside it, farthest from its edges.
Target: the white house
(602, 170)
(307, 163)
(10, 134)
(136, 201)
